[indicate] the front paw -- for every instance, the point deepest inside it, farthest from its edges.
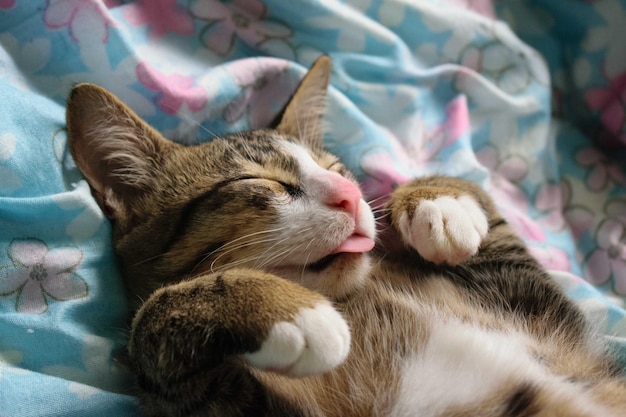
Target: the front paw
(446, 229)
(316, 340)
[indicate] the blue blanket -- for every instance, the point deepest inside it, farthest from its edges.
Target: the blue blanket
(526, 98)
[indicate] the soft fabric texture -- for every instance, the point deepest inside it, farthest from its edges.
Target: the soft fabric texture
(527, 98)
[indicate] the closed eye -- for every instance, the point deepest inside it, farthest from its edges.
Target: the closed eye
(334, 166)
(294, 191)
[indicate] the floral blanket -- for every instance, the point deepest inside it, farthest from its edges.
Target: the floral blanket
(525, 97)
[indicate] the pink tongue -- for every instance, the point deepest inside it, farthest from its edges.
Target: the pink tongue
(355, 244)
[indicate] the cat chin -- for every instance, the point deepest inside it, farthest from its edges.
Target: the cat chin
(336, 276)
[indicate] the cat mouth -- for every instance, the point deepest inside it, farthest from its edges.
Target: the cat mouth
(354, 244)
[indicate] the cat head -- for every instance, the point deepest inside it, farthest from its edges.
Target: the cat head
(269, 199)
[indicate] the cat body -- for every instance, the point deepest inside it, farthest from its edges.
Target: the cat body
(259, 292)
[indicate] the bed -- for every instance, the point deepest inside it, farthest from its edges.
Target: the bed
(526, 98)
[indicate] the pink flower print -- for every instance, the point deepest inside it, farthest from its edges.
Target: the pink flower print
(7, 4)
(382, 179)
(579, 218)
(514, 205)
(40, 272)
(264, 91)
(431, 143)
(85, 19)
(456, 125)
(549, 201)
(513, 168)
(243, 19)
(173, 90)
(426, 145)
(162, 16)
(458, 120)
(610, 103)
(600, 169)
(512, 200)
(551, 257)
(609, 258)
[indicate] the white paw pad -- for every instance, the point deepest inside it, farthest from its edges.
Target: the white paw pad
(446, 229)
(316, 341)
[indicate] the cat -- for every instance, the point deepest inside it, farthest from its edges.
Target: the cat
(262, 288)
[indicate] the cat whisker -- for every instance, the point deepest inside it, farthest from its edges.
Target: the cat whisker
(213, 252)
(279, 256)
(377, 199)
(282, 256)
(233, 264)
(238, 245)
(151, 258)
(262, 256)
(381, 210)
(231, 242)
(306, 261)
(232, 249)
(381, 222)
(243, 261)
(378, 216)
(278, 229)
(192, 120)
(309, 244)
(277, 243)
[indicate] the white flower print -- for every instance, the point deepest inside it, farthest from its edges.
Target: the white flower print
(7, 145)
(10, 361)
(89, 220)
(40, 273)
(10, 181)
(99, 371)
(352, 26)
(21, 63)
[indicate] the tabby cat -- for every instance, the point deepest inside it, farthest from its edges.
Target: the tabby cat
(259, 291)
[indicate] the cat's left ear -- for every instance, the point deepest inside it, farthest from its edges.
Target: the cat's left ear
(303, 116)
(117, 152)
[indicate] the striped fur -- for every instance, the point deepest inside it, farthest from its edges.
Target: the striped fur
(243, 308)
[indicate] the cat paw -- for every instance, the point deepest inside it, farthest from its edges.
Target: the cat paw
(315, 341)
(445, 230)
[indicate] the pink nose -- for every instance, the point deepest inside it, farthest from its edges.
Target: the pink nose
(342, 194)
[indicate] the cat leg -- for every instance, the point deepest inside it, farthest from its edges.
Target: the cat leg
(200, 342)
(444, 219)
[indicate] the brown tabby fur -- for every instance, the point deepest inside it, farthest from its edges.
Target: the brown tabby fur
(174, 210)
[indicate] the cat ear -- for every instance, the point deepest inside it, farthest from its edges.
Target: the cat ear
(303, 116)
(114, 148)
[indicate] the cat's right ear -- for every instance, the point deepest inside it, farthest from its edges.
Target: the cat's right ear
(303, 115)
(114, 148)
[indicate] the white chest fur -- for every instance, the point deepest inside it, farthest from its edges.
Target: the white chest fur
(464, 365)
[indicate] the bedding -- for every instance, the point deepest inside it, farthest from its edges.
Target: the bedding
(525, 97)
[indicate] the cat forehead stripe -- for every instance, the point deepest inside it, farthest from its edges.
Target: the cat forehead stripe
(264, 148)
(305, 161)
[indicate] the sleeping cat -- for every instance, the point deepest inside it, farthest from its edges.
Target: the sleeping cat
(259, 292)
